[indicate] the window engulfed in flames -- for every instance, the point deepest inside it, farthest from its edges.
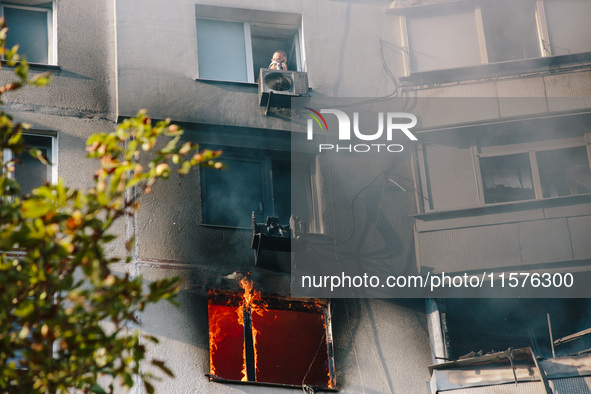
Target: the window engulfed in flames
(288, 339)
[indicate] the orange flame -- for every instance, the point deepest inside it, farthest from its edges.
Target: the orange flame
(252, 303)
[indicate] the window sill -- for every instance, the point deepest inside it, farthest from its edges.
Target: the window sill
(223, 82)
(542, 65)
(213, 378)
(314, 236)
(37, 66)
(222, 227)
(505, 207)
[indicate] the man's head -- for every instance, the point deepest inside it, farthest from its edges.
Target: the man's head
(280, 57)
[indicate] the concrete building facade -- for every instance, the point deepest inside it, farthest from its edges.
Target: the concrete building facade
(496, 181)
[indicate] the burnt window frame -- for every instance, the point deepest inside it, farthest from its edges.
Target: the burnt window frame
(407, 13)
(271, 164)
(442, 335)
(532, 152)
(272, 302)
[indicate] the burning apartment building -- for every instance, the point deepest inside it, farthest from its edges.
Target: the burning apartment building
(498, 182)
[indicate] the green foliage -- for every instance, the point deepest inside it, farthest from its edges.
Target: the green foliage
(66, 319)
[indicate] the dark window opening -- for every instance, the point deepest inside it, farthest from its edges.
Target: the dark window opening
(273, 340)
(262, 185)
(492, 325)
(232, 194)
(564, 172)
(510, 31)
(507, 178)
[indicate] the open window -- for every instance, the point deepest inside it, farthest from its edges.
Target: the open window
(31, 25)
(249, 40)
(510, 30)
(564, 172)
(259, 182)
(459, 34)
(269, 340)
(507, 178)
(480, 326)
(441, 40)
(536, 174)
(568, 26)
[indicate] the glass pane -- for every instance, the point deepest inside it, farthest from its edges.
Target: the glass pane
(443, 41)
(282, 191)
(221, 50)
(507, 178)
(232, 194)
(29, 29)
(569, 26)
(31, 172)
(291, 347)
(226, 342)
(292, 192)
(564, 172)
(510, 31)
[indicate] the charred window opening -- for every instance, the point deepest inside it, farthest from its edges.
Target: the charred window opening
(558, 172)
(269, 340)
(507, 178)
(564, 172)
(229, 196)
(261, 183)
(482, 326)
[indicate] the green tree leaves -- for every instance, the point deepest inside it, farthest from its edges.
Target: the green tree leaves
(67, 318)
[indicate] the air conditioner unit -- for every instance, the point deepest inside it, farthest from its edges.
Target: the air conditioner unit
(277, 87)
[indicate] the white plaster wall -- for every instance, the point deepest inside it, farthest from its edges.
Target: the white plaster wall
(157, 58)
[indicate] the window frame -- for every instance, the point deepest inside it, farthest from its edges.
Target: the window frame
(531, 150)
(247, 18)
(543, 36)
(51, 26)
(305, 169)
(265, 163)
(235, 299)
(52, 170)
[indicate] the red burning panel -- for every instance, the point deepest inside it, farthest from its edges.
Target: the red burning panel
(226, 342)
(291, 348)
(270, 339)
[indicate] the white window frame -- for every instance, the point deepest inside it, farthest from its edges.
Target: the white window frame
(52, 170)
(497, 151)
(209, 12)
(541, 27)
(51, 26)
